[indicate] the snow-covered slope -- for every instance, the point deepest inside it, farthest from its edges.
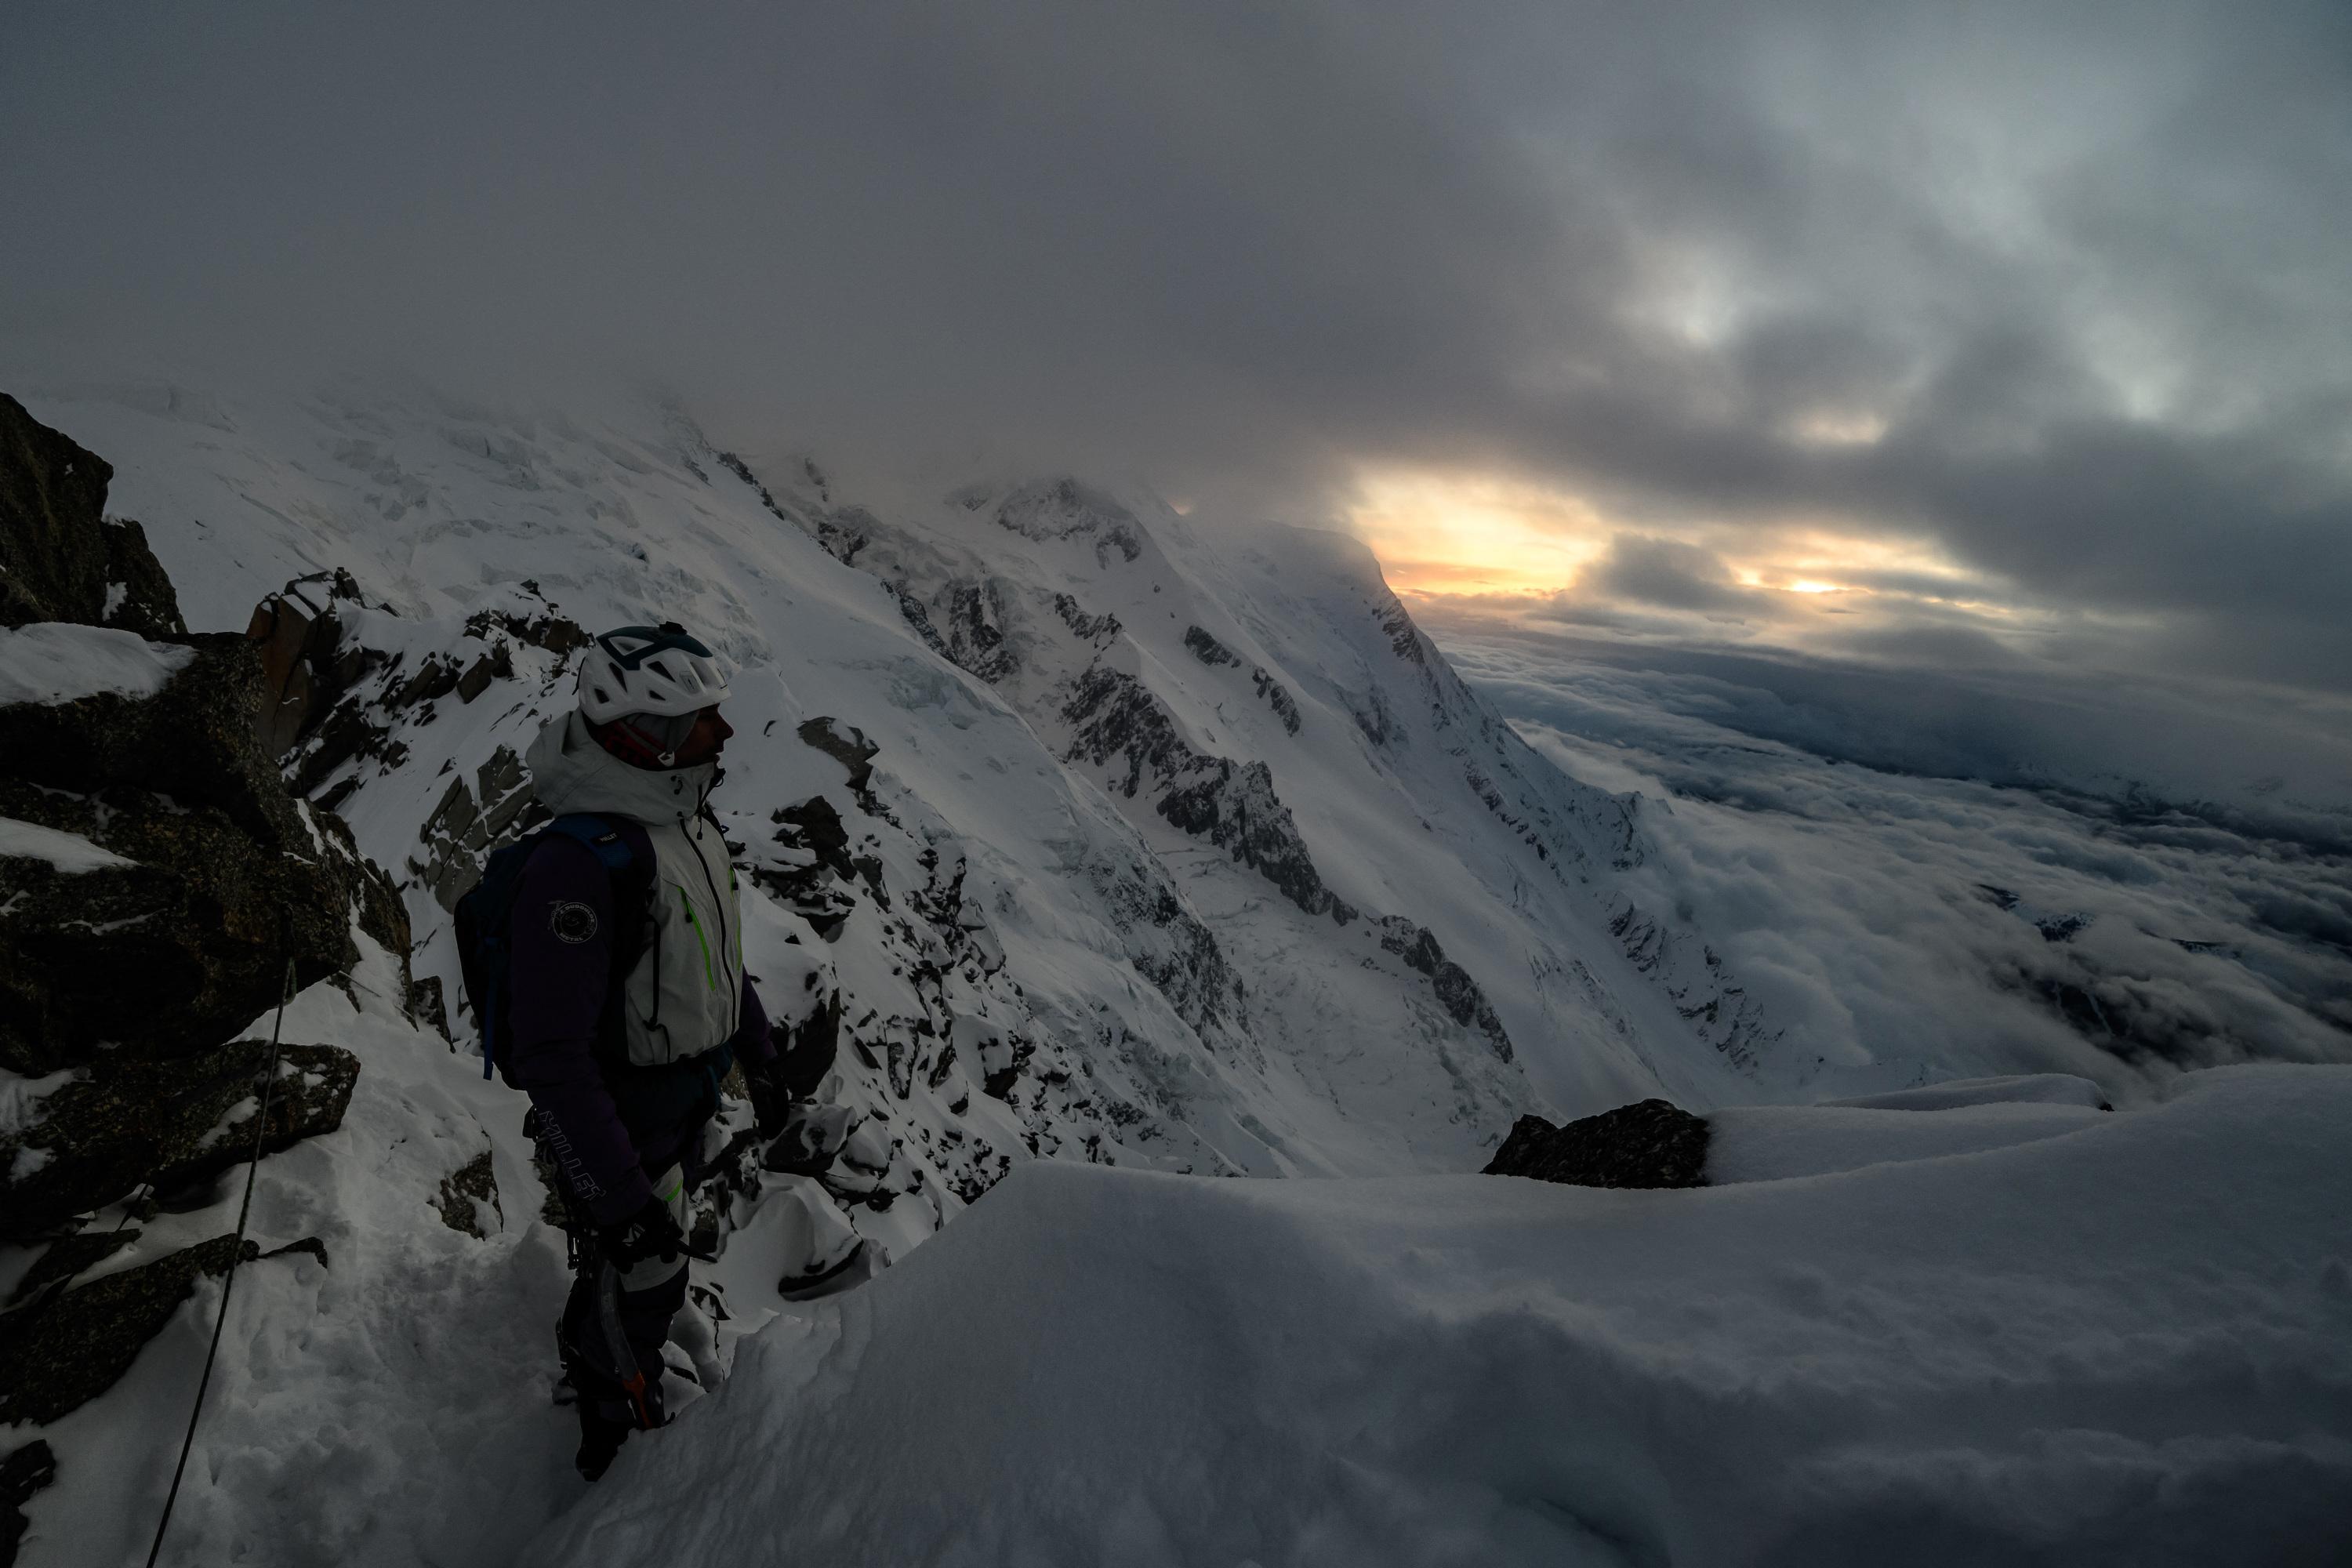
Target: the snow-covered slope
(1131, 838)
(2126, 1342)
(1347, 812)
(1273, 891)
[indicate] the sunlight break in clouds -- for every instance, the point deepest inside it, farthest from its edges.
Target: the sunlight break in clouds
(1539, 553)
(1442, 533)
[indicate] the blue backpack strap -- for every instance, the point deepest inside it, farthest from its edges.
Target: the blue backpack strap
(607, 841)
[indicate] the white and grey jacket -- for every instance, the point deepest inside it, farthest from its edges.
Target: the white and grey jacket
(684, 996)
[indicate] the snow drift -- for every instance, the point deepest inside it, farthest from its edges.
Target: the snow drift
(2130, 1341)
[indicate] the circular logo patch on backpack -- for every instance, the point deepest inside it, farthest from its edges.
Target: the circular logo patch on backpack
(572, 922)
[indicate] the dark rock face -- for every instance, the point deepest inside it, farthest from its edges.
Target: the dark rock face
(812, 872)
(172, 1123)
(1277, 697)
(67, 1257)
(1095, 630)
(1208, 649)
(465, 1192)
(1403, 635)
(304, 663)
(977, 617)
(61, 560)
(166, 956)
(215, 882)
(1115, 716)
(845, 745)
(196, 741)
(1235, 808)
(1651, 1143)
(1212, 652)
(59, 1356)
(24, 1471)
(497, 806)
(1462, 997)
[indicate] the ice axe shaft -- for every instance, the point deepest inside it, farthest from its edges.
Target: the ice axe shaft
(616, 1343)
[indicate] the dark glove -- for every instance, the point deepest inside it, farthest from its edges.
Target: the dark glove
(651, 1232)
(771, 1107)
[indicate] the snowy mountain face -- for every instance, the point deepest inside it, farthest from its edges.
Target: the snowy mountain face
(1097, 835)
(1263, 712)
(1184, 840)
(1107, 836)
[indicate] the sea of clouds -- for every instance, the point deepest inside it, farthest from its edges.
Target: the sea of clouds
(1929, 871)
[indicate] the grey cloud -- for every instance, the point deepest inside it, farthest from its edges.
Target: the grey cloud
(2086, 262)
(1665, 571)
(2268, 767)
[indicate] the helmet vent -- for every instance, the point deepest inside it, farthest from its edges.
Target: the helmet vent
(658, 668)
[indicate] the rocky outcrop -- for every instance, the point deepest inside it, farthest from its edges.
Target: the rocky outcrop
(811, 865)
(65, 1350)
(194, 741)
(60, 558)
(305, 661)
(973, 620)
(335, 702)
(1718, 1011)
(222, 880)
(24, 1471)
(467, 1193)
(163, 886)
(845, 745)
(1286, 708)
(1205, 648)
(495, 807)
(1462, 997)
(1115, 718)
(1651, 1143)
(1212, 652)
(217, 876)
(1168, 943)
(172, 1124)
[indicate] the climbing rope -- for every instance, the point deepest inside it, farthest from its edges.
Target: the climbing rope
(237, 1255)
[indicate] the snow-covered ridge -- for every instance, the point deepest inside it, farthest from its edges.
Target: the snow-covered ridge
(2121, 1341)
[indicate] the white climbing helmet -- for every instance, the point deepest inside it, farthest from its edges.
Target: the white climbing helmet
(663, 671)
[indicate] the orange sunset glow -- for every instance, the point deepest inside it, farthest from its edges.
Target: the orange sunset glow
(1440, 533)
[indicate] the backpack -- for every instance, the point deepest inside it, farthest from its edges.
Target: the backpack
(485, 936)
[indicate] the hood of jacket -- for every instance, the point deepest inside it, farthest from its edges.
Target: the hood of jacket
(571, 773)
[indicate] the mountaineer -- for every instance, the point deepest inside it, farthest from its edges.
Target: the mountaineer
(604, 956)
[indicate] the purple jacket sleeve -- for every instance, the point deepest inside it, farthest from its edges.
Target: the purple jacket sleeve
(562, 935)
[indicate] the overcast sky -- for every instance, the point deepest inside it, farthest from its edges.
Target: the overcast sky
(1974, 334)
